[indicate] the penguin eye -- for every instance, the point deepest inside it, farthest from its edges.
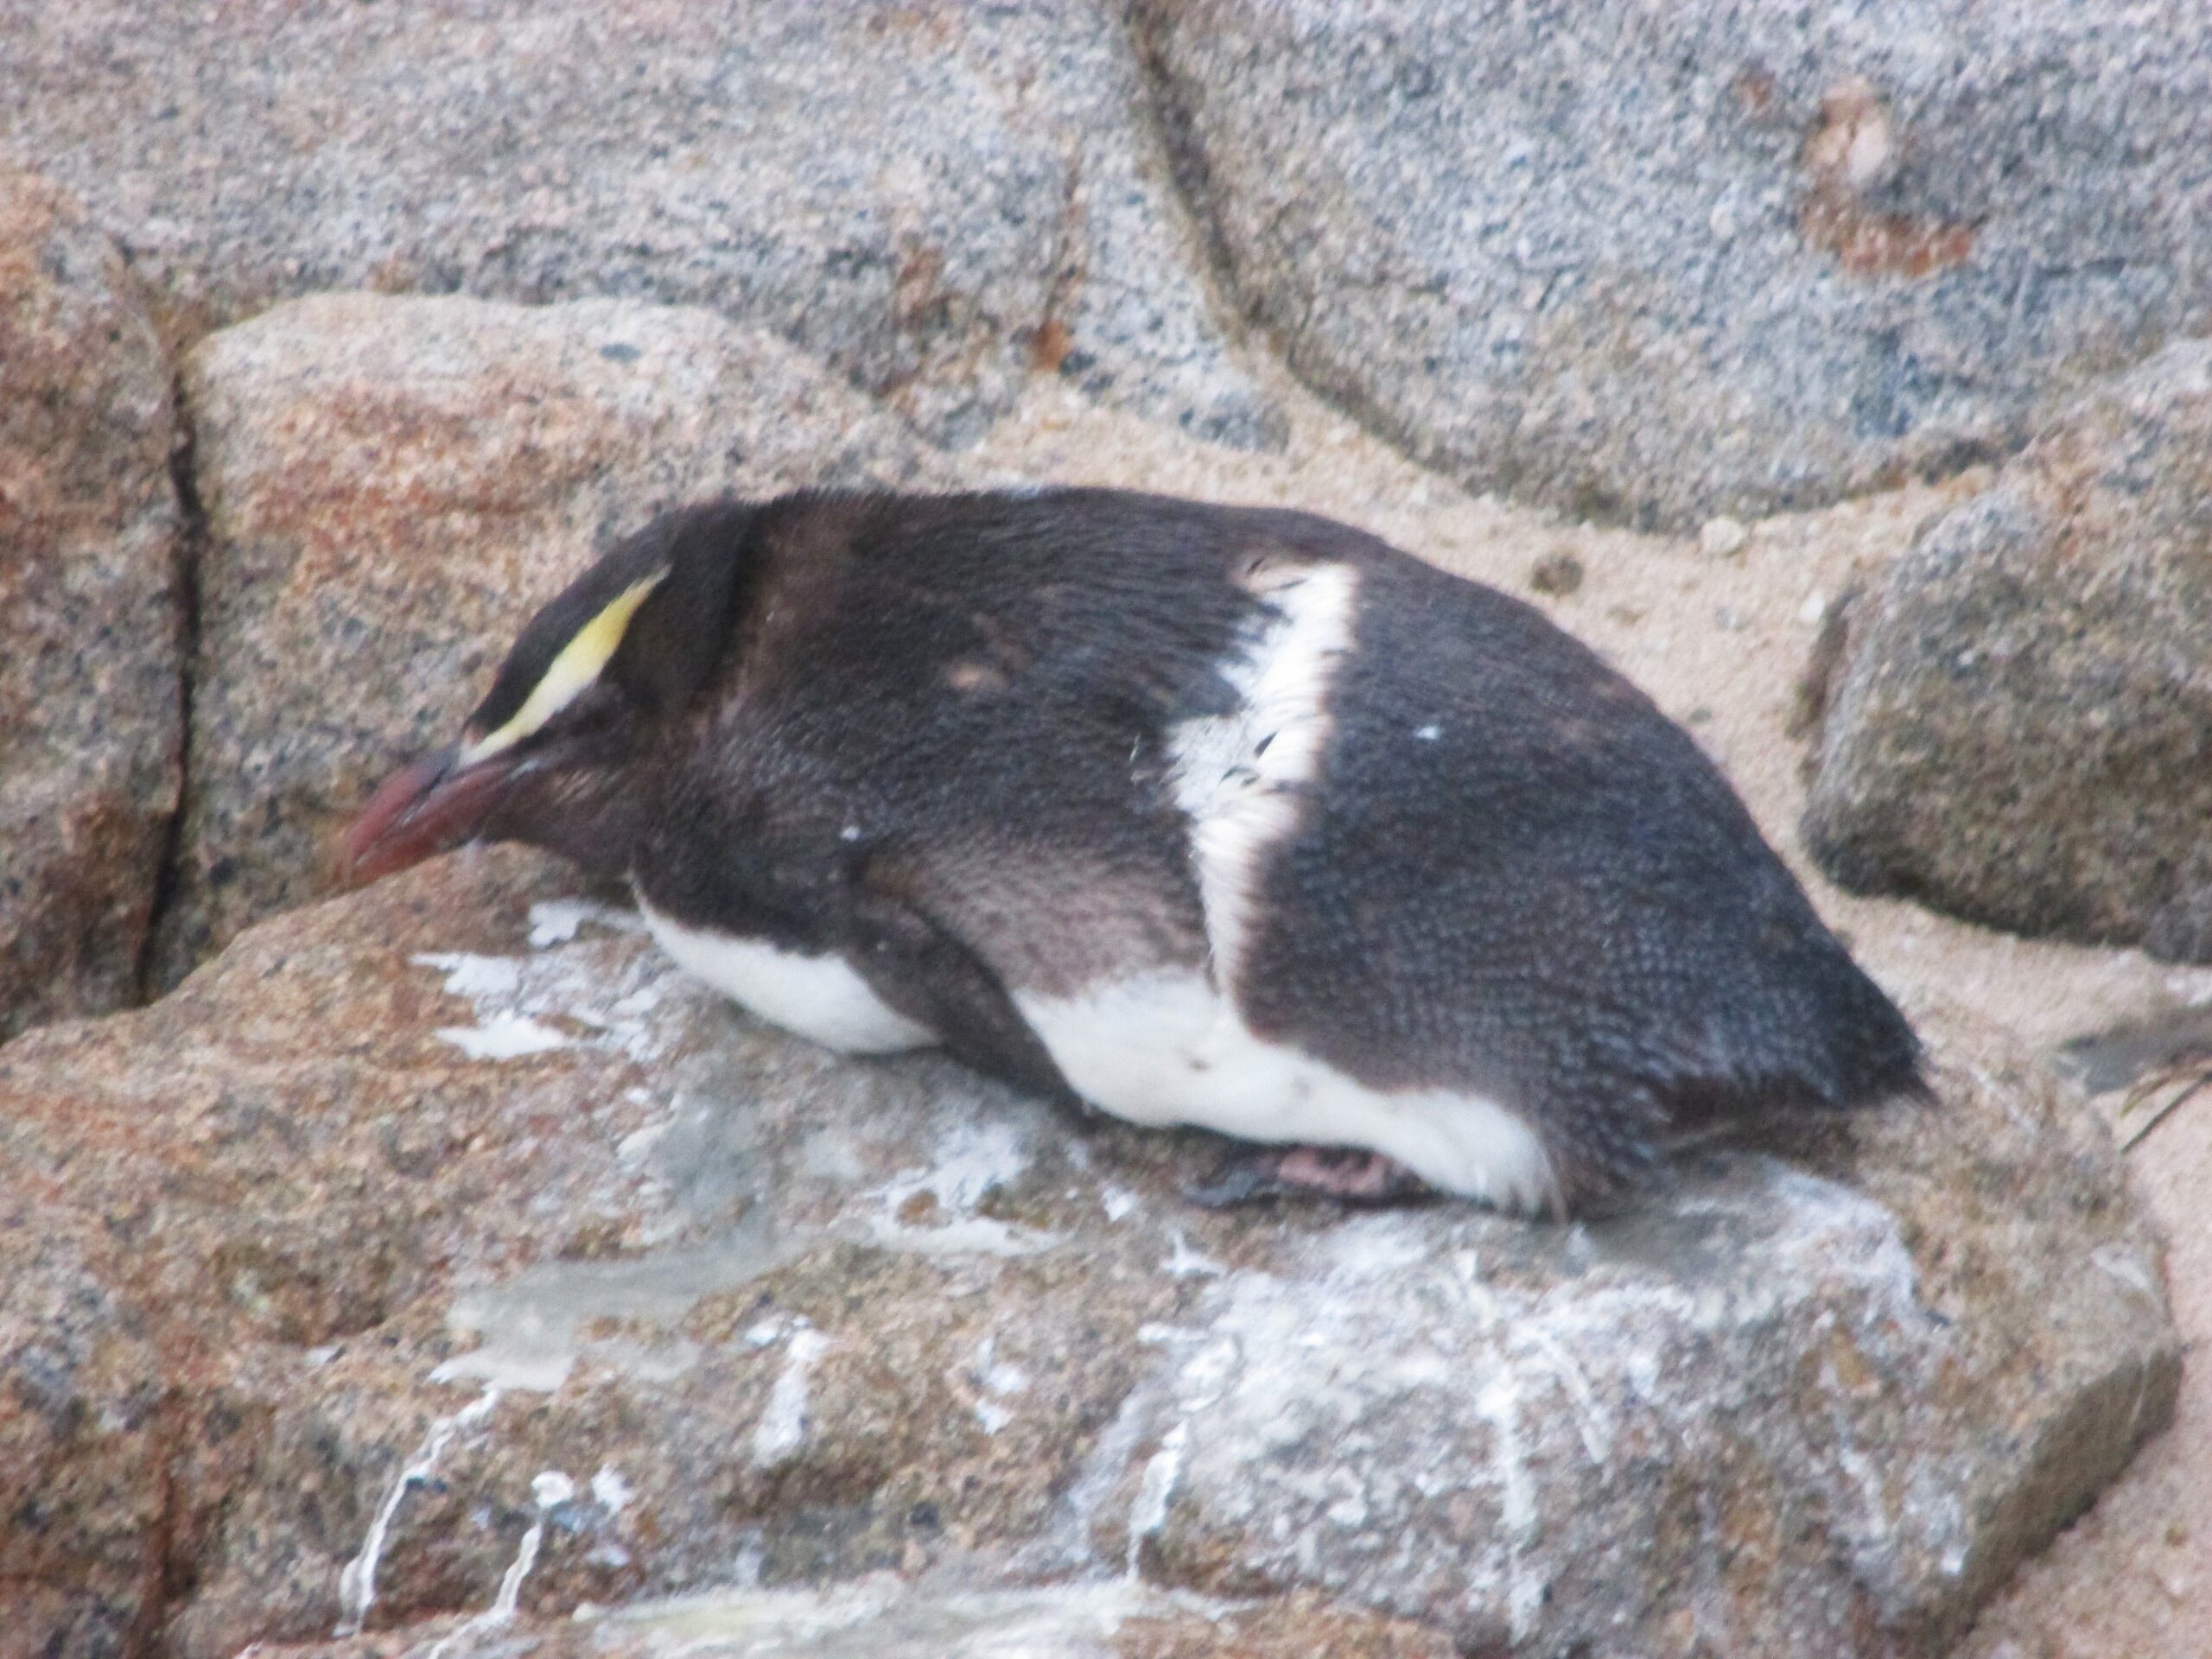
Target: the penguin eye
(575, 670)
(597, 706)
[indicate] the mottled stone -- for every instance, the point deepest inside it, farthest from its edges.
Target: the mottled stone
(940, 199)
(1665, 262)
(880, 1617)
(392, 486)
(484, 1264)
(84, 1440)
(91, 683)
(2020, 729)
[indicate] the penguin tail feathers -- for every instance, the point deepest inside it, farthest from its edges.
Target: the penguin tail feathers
(1859, 1053)
(1883, 1064)
(1865, 1054)
(1875, 1058)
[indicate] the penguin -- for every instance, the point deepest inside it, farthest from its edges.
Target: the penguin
(1199, 815)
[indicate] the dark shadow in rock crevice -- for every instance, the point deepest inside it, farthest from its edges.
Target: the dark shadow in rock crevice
(190, 546)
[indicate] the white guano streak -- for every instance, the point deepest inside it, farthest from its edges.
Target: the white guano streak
(357, 1584)
(549, 1488)
(783, 1425)
(1498, 1401)
(1148, 1513)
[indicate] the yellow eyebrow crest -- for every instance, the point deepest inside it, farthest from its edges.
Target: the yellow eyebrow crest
(580, 662)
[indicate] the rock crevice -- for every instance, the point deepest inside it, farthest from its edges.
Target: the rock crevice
(190, 549)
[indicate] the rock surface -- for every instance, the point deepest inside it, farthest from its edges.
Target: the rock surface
(1666, 262)
(91, 648)
(2022, 727)
(880, 1617)
(450, 1255)
(940, 199)
(391, 486)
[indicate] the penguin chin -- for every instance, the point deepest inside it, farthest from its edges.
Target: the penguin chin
(422, 808)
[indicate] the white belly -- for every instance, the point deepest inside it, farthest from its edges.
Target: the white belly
(820, 998)
(1167, 1048)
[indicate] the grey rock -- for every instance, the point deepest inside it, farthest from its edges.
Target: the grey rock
(90, 619)
(940, 200)
(2020, 730)
(1660, 263)
(391, 486)
(494, 1265)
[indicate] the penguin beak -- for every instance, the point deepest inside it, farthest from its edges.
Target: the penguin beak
(424, 809)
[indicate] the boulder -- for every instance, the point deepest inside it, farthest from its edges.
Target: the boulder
(940, 200)
(2020, 727)
(391, 487)
(91, 619)
(464, 1262)
(1665, 262)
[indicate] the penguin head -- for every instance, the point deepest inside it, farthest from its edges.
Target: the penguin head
(550, 755)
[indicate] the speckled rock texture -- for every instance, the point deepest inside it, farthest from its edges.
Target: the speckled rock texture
(392, 486)
(91, 614)
(2021, 727)
(1662, 262)
(883, 1618)
(941, 200)
(439, 1252)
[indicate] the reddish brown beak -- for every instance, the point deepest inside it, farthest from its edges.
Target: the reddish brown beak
(420, 809)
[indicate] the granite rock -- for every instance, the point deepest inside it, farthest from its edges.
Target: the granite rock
(2020, 727)
(940, 199)
(483, 1267)
(391, 487)
(1662, 263)
(884, 1617)
(91, 618)
(84, 1438)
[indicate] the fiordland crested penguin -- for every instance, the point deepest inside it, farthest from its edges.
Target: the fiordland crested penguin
(1201, 815)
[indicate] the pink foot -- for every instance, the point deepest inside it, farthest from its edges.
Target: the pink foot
(1362, 1178)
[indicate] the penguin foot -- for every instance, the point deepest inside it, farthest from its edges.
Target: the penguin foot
(1351, 1178)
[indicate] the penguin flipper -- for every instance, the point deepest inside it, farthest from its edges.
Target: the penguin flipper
(927, 973)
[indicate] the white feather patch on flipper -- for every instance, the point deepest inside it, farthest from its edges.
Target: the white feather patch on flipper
(821, 998)
(1174, 1047)
(1167, 1047)
(1238, 776)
